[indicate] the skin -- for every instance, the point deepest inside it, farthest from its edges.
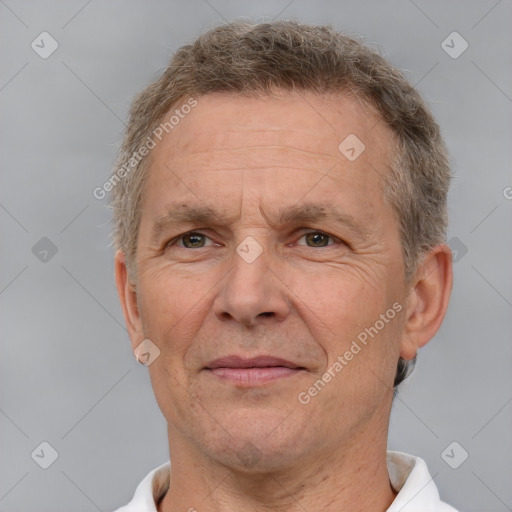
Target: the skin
(305, 298)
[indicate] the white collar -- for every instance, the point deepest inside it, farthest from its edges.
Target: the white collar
(408, 476)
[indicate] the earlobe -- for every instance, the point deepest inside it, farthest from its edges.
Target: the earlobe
(128, 297)
(428, 300)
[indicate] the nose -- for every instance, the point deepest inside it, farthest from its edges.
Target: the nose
(252, 292)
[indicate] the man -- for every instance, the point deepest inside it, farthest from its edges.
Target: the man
(280, 216)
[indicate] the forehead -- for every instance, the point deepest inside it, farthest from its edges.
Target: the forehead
(286, 144)
(309, 126)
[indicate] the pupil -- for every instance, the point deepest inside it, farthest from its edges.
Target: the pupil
(193, 239)
(317, 237)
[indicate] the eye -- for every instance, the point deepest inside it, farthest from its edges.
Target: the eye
(190, 240)
(197, 240)
(318, 239)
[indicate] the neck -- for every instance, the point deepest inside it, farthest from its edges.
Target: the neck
(334, 480)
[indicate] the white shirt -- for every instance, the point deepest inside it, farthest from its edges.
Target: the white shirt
(408, 475)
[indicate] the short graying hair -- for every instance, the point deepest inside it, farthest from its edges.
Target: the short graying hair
(256, 59)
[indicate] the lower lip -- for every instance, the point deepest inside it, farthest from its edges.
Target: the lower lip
(254, 376)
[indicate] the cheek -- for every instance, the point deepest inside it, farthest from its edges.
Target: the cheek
(370, 353)
(172, 314)
(341, 300)
(359, 322)
(169, 305)
(170, 392)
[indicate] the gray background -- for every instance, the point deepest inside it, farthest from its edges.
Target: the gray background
(67, 374)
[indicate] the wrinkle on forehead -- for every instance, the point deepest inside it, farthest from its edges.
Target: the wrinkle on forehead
(254, 157)
(294, 134)
(237, 122)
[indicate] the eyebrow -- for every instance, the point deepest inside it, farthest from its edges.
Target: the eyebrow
(179, 213)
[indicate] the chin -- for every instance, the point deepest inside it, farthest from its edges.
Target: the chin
(251, 458)
(256, 442)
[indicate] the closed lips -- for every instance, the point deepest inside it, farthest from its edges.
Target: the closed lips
(255, 362)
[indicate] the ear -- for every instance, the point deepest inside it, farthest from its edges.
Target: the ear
(128, 297)
(428, 300)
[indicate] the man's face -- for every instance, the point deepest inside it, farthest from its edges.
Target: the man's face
(253, 281)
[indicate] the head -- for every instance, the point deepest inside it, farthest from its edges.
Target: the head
(248, 126)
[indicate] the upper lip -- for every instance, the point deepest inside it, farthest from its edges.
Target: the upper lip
(253, 362)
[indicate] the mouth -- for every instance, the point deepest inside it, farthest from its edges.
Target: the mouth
(254, 371)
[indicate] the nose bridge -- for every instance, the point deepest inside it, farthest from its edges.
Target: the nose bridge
(251, 290)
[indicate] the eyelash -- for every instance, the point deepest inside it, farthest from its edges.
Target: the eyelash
(180, 237)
